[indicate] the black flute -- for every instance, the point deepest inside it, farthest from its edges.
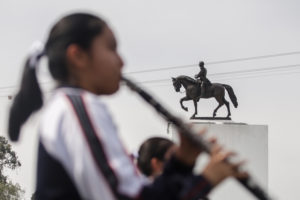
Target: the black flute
(248, 183)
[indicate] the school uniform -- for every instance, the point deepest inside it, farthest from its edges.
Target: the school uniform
(81, 156)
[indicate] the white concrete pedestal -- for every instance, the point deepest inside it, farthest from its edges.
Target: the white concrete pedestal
(251, 144)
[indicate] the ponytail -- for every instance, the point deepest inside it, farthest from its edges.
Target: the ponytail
(29, 97)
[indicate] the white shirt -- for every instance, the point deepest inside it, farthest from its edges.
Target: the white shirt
(64, 139)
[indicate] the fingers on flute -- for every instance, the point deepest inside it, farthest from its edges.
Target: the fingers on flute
(234, 167)
(238, 173)
(219, 168)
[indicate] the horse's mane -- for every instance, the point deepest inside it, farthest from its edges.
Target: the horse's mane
(187, 78)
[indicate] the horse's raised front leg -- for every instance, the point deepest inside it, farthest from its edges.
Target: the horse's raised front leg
(181, 103)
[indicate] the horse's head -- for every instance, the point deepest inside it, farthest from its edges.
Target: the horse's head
(176, 84)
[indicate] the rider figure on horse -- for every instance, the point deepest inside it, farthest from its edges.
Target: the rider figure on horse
(202, 80)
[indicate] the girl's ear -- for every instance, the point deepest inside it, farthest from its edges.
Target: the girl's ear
(76, 56)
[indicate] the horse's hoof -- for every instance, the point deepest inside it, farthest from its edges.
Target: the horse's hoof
(185, 109)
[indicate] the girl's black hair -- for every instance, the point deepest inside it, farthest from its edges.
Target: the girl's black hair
(155, 147)
(78, 28)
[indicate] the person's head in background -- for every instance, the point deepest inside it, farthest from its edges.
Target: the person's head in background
(152, 155)
(82, 52)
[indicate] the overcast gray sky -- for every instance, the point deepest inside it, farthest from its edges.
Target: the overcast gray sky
(157, 34)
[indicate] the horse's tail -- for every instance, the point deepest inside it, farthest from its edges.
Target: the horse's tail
(231, 95)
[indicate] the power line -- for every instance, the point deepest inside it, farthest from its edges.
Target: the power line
(260, 75)
(237, 78)
(216, 62)
(257, 70)
(239, 72)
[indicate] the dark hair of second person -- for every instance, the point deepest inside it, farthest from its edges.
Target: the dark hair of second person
(152, 155)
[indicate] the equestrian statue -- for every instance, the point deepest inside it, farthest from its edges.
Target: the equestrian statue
(201, 87)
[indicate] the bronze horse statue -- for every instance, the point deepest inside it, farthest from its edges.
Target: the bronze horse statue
(193, 92)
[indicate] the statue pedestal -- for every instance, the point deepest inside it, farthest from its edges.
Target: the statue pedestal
(251, 144)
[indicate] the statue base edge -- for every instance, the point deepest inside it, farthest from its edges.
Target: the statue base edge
(211, 118)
